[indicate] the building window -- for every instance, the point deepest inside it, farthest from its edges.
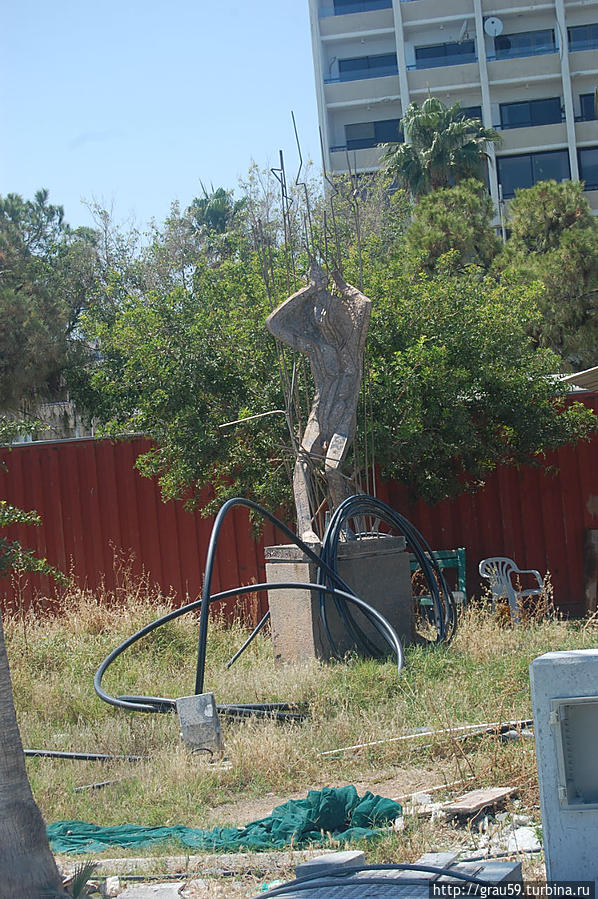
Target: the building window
(530, 112)
(527, 169)
(444, 55)
(588, 167)
(587, 103)
(471, 112)
(524, 43)
(367, 67)
(583, 37)
(363, 135)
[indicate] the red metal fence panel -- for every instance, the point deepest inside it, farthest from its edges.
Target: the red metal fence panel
(95, 506)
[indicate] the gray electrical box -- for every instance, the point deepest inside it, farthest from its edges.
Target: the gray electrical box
(575, 722)
(565, 706)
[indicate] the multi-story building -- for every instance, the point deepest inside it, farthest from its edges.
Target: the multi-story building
(528, 68)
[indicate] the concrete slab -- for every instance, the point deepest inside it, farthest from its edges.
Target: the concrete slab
(397, 884)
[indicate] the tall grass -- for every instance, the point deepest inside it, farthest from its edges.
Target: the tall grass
(482, 676)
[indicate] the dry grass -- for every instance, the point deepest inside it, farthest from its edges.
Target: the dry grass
(482, 676)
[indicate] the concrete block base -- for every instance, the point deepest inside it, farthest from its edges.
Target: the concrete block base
(200, 727)
(377, 569)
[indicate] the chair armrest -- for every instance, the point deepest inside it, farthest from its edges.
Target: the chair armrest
(533, 571)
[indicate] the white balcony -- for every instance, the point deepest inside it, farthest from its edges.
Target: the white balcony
(359, 160)
(533, 137)
(351, 93)
(356, 23)
(543, 66)
(592, 198)
(496, 7)
(440, 79)
(424, 10)
(586, 132)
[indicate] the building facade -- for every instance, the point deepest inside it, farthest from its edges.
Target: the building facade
(528, 68)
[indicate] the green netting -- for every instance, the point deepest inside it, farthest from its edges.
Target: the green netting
(339, 812)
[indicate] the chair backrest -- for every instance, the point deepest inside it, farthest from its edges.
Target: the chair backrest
(498, 570)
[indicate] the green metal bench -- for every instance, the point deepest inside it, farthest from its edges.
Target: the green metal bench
(447, 558)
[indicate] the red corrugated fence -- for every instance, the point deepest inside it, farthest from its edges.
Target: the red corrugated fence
(95, 506)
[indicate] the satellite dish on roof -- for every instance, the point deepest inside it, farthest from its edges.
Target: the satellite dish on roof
(493, 26)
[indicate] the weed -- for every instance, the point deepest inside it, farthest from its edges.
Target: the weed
(481, 677)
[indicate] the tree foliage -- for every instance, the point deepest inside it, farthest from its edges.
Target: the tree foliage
(456, 385)
(171, 342)
(456, 220)
(554, 241)
(47, 277)
(444, 146)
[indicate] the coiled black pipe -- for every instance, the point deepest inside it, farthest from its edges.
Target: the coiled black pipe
(330, 583)
(162, 704)
(442, 597)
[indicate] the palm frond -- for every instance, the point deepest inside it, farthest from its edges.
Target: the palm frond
(77, 883)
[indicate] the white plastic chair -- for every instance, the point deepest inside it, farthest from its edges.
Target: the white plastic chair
(500, 571)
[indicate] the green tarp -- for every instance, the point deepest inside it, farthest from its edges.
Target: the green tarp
(298, 823)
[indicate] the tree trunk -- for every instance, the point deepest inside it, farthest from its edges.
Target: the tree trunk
(27, 867)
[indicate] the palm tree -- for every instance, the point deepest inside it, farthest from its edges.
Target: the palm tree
(215, 211)
(444, 147)
(27, 865)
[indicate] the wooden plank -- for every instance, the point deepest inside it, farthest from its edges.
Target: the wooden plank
(474, 801)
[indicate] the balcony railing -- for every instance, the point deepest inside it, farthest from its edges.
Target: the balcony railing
(441, 61)
(508, 126)
(517, 52)
(346, 8)
(590, 44)
(364, 144)
(360, 74)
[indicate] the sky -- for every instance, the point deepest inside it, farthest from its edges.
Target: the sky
(135, 103)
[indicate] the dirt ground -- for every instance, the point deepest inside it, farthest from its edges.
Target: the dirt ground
(394, 783)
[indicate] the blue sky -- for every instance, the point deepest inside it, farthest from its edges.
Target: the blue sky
(134, 102)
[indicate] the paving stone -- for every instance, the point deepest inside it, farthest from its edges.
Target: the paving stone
(323, 863)
(154, 891)
(523, 839)
(110, 888)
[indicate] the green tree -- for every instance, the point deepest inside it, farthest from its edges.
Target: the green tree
(554, 242)
(442, 148)
(47, 277)
(457, 387)
(178, 365)
(455, 220)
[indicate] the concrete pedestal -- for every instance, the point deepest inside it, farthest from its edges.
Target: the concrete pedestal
(377, 569)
